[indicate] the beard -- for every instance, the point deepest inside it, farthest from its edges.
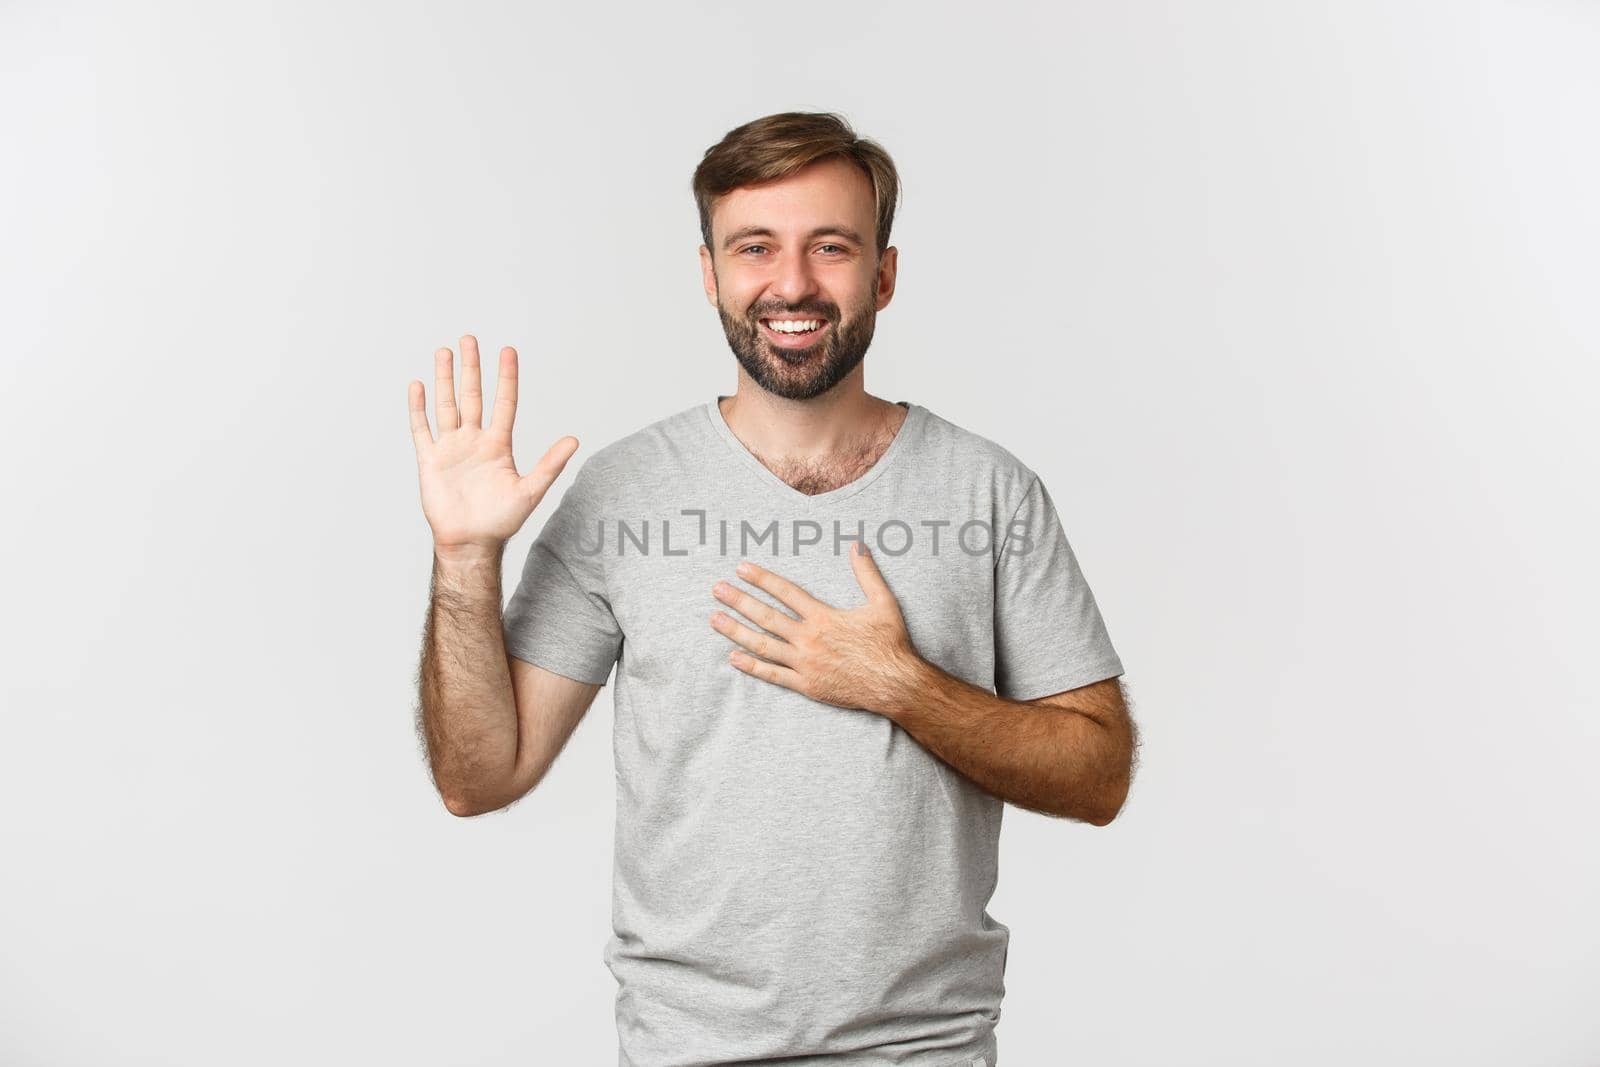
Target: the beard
(799, 373)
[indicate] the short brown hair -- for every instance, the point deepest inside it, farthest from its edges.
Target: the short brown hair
(778, 145)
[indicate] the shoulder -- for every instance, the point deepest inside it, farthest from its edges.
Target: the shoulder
(636, 460)
(969, 458)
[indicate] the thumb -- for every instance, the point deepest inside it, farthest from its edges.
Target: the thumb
(538, 481)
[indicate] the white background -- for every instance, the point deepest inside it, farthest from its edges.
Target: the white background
(1293, 305)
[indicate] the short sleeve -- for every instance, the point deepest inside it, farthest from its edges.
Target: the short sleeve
(1048, 633)
(559, 617)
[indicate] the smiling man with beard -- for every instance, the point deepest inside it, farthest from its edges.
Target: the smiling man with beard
(811, 766)
(812, 348)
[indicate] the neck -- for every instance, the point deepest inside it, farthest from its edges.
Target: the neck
(801, 431)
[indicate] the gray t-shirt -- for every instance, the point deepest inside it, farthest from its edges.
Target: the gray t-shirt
(794, 879)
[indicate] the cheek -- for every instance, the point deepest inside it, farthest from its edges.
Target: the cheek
(733, 303)
(857, 303)
(738, 298)
(859, 291)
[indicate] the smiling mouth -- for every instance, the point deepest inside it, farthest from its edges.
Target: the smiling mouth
(793, 332)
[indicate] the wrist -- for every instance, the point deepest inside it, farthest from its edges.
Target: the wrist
(467, 555)
(907, 683)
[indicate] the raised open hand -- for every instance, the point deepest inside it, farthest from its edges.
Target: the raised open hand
(472, 495)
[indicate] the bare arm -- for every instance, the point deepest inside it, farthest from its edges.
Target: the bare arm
(491, 729)
(1069, 754)
(492, 724)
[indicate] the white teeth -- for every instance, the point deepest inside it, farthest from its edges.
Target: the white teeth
(793, 325)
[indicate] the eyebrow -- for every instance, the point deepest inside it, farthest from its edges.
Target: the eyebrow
(761, 231)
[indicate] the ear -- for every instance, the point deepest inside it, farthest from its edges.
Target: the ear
(708, 275)
(887, 264)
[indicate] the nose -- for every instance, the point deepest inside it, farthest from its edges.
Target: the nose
(793, 280)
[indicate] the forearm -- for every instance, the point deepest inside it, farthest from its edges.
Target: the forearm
(469, 716)
(1045, 758)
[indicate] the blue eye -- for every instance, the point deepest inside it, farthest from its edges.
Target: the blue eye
(833, 246)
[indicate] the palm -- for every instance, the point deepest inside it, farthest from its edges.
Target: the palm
(472, 495)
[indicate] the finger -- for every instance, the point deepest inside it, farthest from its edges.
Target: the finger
(444, 391)
(416, 397)
(471, 405)
(505, 393)
(538, 481)
(868, 577)
(790, 595)
(767, 672)
(762, 614)
(764, 645)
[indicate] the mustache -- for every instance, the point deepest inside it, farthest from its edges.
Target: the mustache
(830, 314)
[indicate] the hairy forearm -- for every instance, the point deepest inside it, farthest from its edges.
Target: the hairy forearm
(1046, 758)
(468, 709)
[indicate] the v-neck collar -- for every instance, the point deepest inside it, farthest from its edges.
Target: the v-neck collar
(910, 425)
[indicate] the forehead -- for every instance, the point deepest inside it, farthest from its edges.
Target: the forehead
(825, 192)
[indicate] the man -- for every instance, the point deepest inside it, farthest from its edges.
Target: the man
(812, 755)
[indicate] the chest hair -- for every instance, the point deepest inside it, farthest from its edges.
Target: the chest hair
(832, 472)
